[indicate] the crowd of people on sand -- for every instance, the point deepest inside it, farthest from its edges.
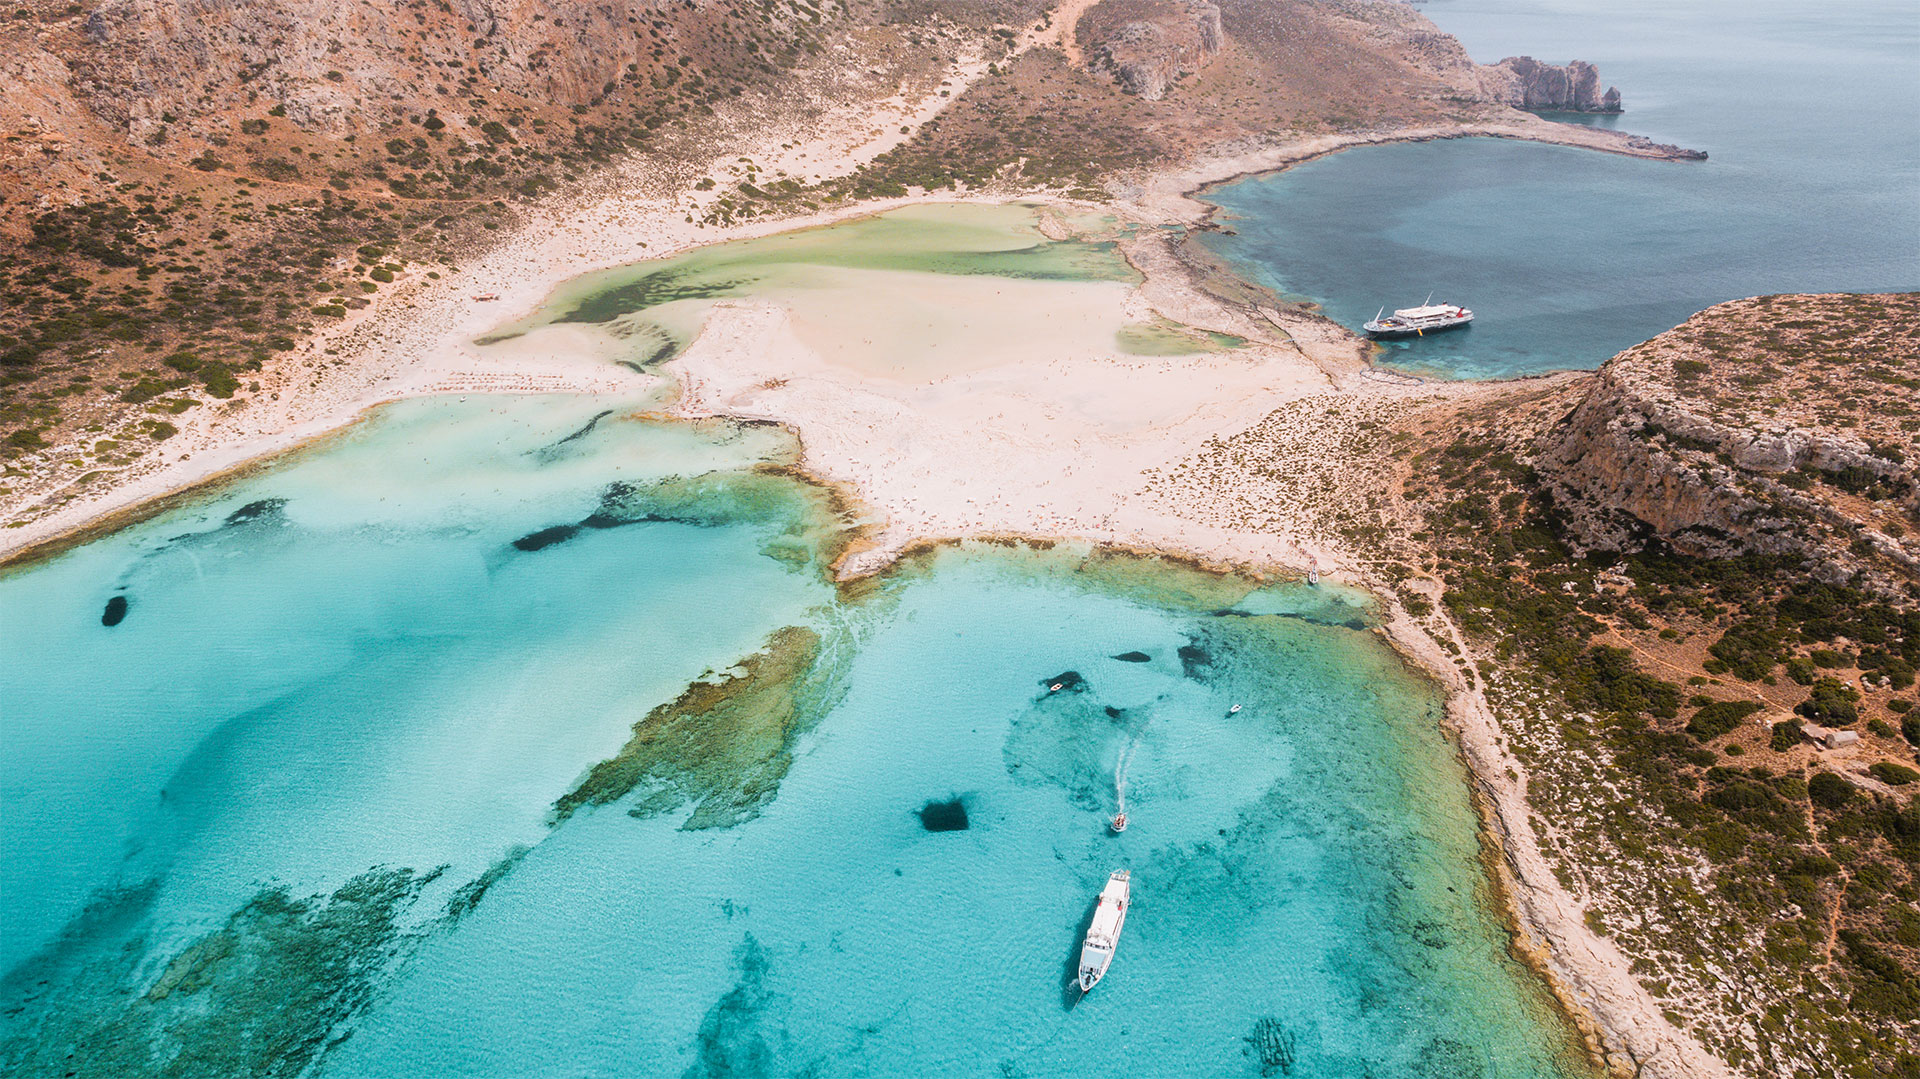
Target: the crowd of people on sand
(516, 382)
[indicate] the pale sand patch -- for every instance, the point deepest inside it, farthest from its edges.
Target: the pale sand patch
(1051, 444)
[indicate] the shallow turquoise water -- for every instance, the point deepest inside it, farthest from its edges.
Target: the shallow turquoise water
(1567, 256)
(295, 807)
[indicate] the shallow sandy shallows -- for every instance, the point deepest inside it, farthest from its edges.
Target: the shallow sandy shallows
(1051, 447)
(963, 373)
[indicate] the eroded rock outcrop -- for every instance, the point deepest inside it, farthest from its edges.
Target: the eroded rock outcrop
(1526, 83)
(1780, 425)
(1148, 45)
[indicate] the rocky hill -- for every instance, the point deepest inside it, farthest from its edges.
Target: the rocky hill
(1149, 45)
(1776, 426)
(1688, 583)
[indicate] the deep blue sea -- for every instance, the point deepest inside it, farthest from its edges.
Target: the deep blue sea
(1811, 115)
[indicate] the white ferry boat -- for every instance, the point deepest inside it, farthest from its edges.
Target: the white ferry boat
(1419, 321)
(1104, 935)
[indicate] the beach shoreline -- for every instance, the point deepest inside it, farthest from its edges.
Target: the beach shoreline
(416, 340)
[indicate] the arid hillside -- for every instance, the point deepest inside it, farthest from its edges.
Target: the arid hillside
(187, 188)
(191, 188)
(1690, 584)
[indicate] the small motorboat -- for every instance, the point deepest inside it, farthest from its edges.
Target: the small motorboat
(1119, 823)
(1234, 711)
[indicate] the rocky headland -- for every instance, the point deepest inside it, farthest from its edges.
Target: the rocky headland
(1778, 426)
(1526, 83)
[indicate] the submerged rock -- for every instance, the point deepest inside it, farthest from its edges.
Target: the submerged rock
(1066, 682)
(546, 537)
(947, 816)
(733, 1035)
(1194, 660)
(115, 613)
(254, 511)
(1134, 657)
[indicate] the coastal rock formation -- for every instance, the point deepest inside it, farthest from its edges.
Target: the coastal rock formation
(1148, 45)
(1526, 83)
(1776, 426)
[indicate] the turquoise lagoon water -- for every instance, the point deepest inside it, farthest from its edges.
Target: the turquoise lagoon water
(1811, 115)
(294, 810)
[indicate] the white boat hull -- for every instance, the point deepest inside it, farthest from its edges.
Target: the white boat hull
(1419, 321)
(1103, 936)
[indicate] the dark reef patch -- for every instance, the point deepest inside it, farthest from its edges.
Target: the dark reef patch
(1114, 713)
(115, 613)
(553, 450)
(1134, 657)
(255, 511)
(1066, 682)
(723, 745)
(468, 896)
(731, 1043)
(266, 993)
(546, 537)
(1312, 618)
(947, 816)
(1195, 661)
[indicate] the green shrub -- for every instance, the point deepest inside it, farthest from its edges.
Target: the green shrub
(1832, 703)
(1801, 670)
(1898, 775)
(1606, 680)
(1718, 718)
(1910, 728)
(219, 380)
(1829, 790)
(1785, 736)
(1748, 648)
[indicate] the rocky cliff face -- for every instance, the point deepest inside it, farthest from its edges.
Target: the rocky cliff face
(1148, 45)
(1526, 83)
(1779, 426)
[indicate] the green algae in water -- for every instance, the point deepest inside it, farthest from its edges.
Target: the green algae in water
(262, 995)
(996, 241)
(723, 745)
(1159, 338)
